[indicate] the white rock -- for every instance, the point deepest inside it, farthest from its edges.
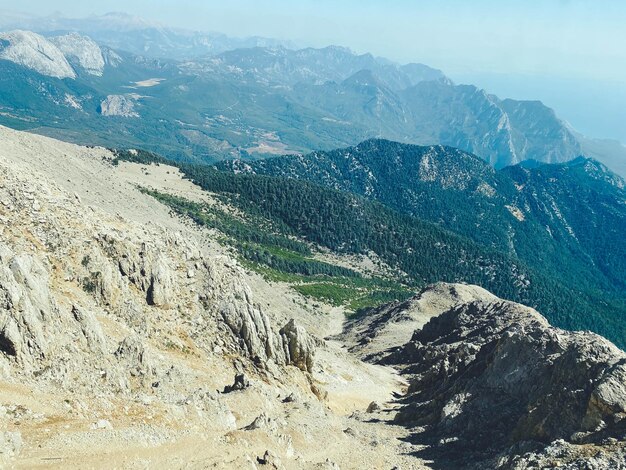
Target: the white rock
(82, 51)
(36, 53)
(102, 424)
(118, 105)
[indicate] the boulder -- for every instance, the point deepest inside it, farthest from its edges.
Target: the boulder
(300, 346)
(241, 383)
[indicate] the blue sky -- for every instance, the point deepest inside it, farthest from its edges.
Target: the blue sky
(571, 54)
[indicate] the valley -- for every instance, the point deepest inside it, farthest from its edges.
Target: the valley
(262, 101)
(221, 252)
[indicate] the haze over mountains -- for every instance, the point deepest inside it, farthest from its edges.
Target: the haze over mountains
(264, 270)
(205, 97)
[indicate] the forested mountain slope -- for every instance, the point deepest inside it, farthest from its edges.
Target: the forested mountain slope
(562, 220)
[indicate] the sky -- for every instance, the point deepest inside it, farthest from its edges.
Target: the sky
(571, 54)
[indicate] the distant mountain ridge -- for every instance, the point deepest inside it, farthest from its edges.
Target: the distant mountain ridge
(139, 36)
(262, 101)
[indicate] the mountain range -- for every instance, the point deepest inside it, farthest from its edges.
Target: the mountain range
(239, 269)
(252, 102)
(563, 220)
(542, 213)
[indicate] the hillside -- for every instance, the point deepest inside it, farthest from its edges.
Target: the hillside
(123, 330)
(131, 336)
(261, 101)
(563, 221)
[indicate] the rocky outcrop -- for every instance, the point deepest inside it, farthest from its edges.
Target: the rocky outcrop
(490, 375)
(25, 307)
(253, 329)
(133, 354)
(118, 105)
(392, 325)
(258, 340)
(300, 346)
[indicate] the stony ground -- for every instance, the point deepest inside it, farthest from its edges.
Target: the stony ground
(130, 338)
(131, 323)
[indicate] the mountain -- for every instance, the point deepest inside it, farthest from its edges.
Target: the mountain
(137, 329)
(260, 101)
(503, 132)
(138, 36)
(318, 66)
(123, 328)
(610, 152)
(34, 52)
(563, 220)
(82, 52)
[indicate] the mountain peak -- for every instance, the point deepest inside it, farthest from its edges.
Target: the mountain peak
(596, 170)
(35, 52)
(82, 51)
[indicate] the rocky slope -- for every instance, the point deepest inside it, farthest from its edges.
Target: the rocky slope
(493, 385)
(128, 338)
(82, 51)
(36, 53)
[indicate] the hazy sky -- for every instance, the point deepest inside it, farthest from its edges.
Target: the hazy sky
(569, 53)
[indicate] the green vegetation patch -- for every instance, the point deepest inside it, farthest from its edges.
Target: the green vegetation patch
(280, 258)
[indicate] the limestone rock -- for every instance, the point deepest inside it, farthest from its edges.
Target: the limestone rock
(132, 352)
(118, 105)
(25, 306)
(90, 328)
(82, 51)
(489, 374)
(300, 346)
(160, 290)
(254, 329)
(35, 52)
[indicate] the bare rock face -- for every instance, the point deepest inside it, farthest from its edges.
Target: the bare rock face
(25, 306)
(299, 345)
(118, 105)
(160, 289)
(90, 328)
(82, 51)
(490, 375)
(35, 52)
(254, 330)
